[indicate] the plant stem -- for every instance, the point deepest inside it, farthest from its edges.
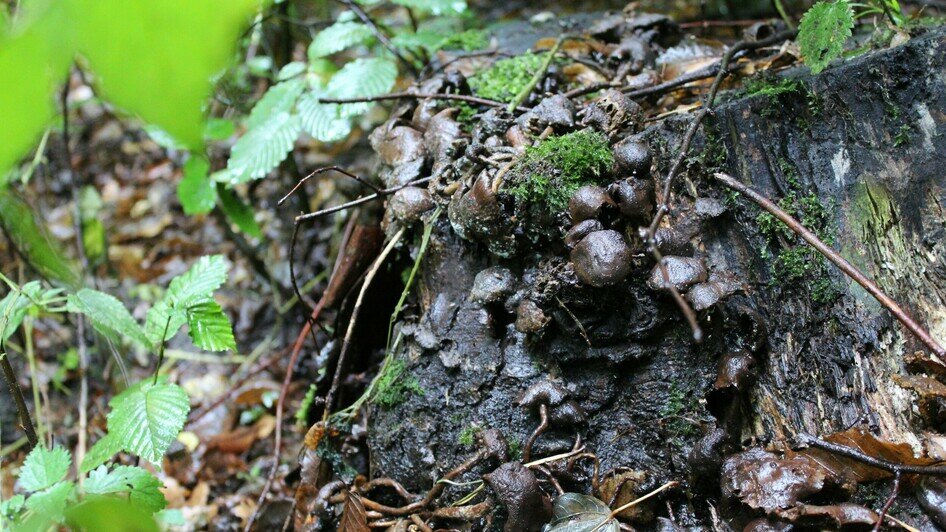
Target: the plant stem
(34, 375)
(380, 35)
(26, 422)
(537, 77)
(840, 262)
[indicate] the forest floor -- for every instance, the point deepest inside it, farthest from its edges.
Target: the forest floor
(440, 381)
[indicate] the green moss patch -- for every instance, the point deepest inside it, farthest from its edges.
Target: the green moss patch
(550, 172)
(506, 78)
(394, 387)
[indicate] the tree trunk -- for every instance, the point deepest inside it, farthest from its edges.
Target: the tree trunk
(859, 152)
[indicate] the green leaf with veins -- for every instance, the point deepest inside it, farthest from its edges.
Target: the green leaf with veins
(147, 417)
(101, 452)
(823, 31)
(321, 120)
(337, 37)
(198, 283)
(362, 78)
(108, 316)
(44, 467)
(209, 327)
(52, 501)
(142, 488)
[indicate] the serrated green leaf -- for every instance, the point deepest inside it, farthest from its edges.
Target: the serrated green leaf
(147, 417)
(209, 327)
(280, 98)
(262, 148)
(176, 46)
(108, 316)
(17, 303)
(163, 322)
(362, 78)
(196, 191)
(101, 452)
(823, 31)
(337, 37)
(238, 212)
(436, 7)
(321, 120)
(197, 283)
(99, 512)
(10, 508)
(142, 487)
(51, 502)
(33, 240)
(44, 467)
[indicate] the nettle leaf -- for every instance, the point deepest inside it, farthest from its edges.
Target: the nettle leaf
(279, 98)
(142, 488)
(823, 30)
(362, 78)
(209, 327)
(51, 502)
(291, 70)
(32, 239)
(44, 467)
(163, 322)
(322, 120)
(337, 37)
(196, 191)
(198, 283)
(436, 7)
(147, 417)
(101, 452)
(108, 315)
(262, 148)
(14, 306)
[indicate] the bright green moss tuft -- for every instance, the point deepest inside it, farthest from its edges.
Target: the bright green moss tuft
(393, 387)
(550, 172)
(467, 41)
(506, 78)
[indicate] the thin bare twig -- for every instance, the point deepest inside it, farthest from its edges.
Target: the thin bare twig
(894, 492)
(324, 169)
(380, 35)
(664, 207)
(23, 412)
(420, 96)
(879, 463)
(360, 201)
(922, 334)
(346, 343)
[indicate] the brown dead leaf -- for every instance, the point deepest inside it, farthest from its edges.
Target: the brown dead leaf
(836, 516)
(354, 517)
(763, 481)
(315, 434)
(846, 470)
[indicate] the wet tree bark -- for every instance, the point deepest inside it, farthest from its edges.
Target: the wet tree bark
(861, 149)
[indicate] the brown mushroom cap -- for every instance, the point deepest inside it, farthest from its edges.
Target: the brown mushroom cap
(602, 258)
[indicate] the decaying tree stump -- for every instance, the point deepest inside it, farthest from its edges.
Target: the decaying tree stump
(860, 151)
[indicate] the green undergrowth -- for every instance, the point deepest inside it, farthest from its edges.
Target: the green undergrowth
(797, 263)
(552, 170)
(506, 78)
(774, 90)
